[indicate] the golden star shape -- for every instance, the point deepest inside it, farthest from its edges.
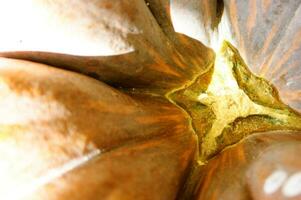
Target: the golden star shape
(233, 96)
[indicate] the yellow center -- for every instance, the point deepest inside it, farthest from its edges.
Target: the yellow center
(228, 101)
(233, 104)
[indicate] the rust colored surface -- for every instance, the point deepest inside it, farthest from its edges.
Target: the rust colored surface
(115, 99)
(242, 171)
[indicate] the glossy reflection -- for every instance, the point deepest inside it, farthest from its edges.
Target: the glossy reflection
(262, 166)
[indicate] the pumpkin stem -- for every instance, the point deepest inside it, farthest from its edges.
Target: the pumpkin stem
(227, 103)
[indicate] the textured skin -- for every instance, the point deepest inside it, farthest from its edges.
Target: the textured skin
(129, 145)
(270, 47)
(155, 44)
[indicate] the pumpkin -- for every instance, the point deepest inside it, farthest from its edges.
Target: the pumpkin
(150, 99)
